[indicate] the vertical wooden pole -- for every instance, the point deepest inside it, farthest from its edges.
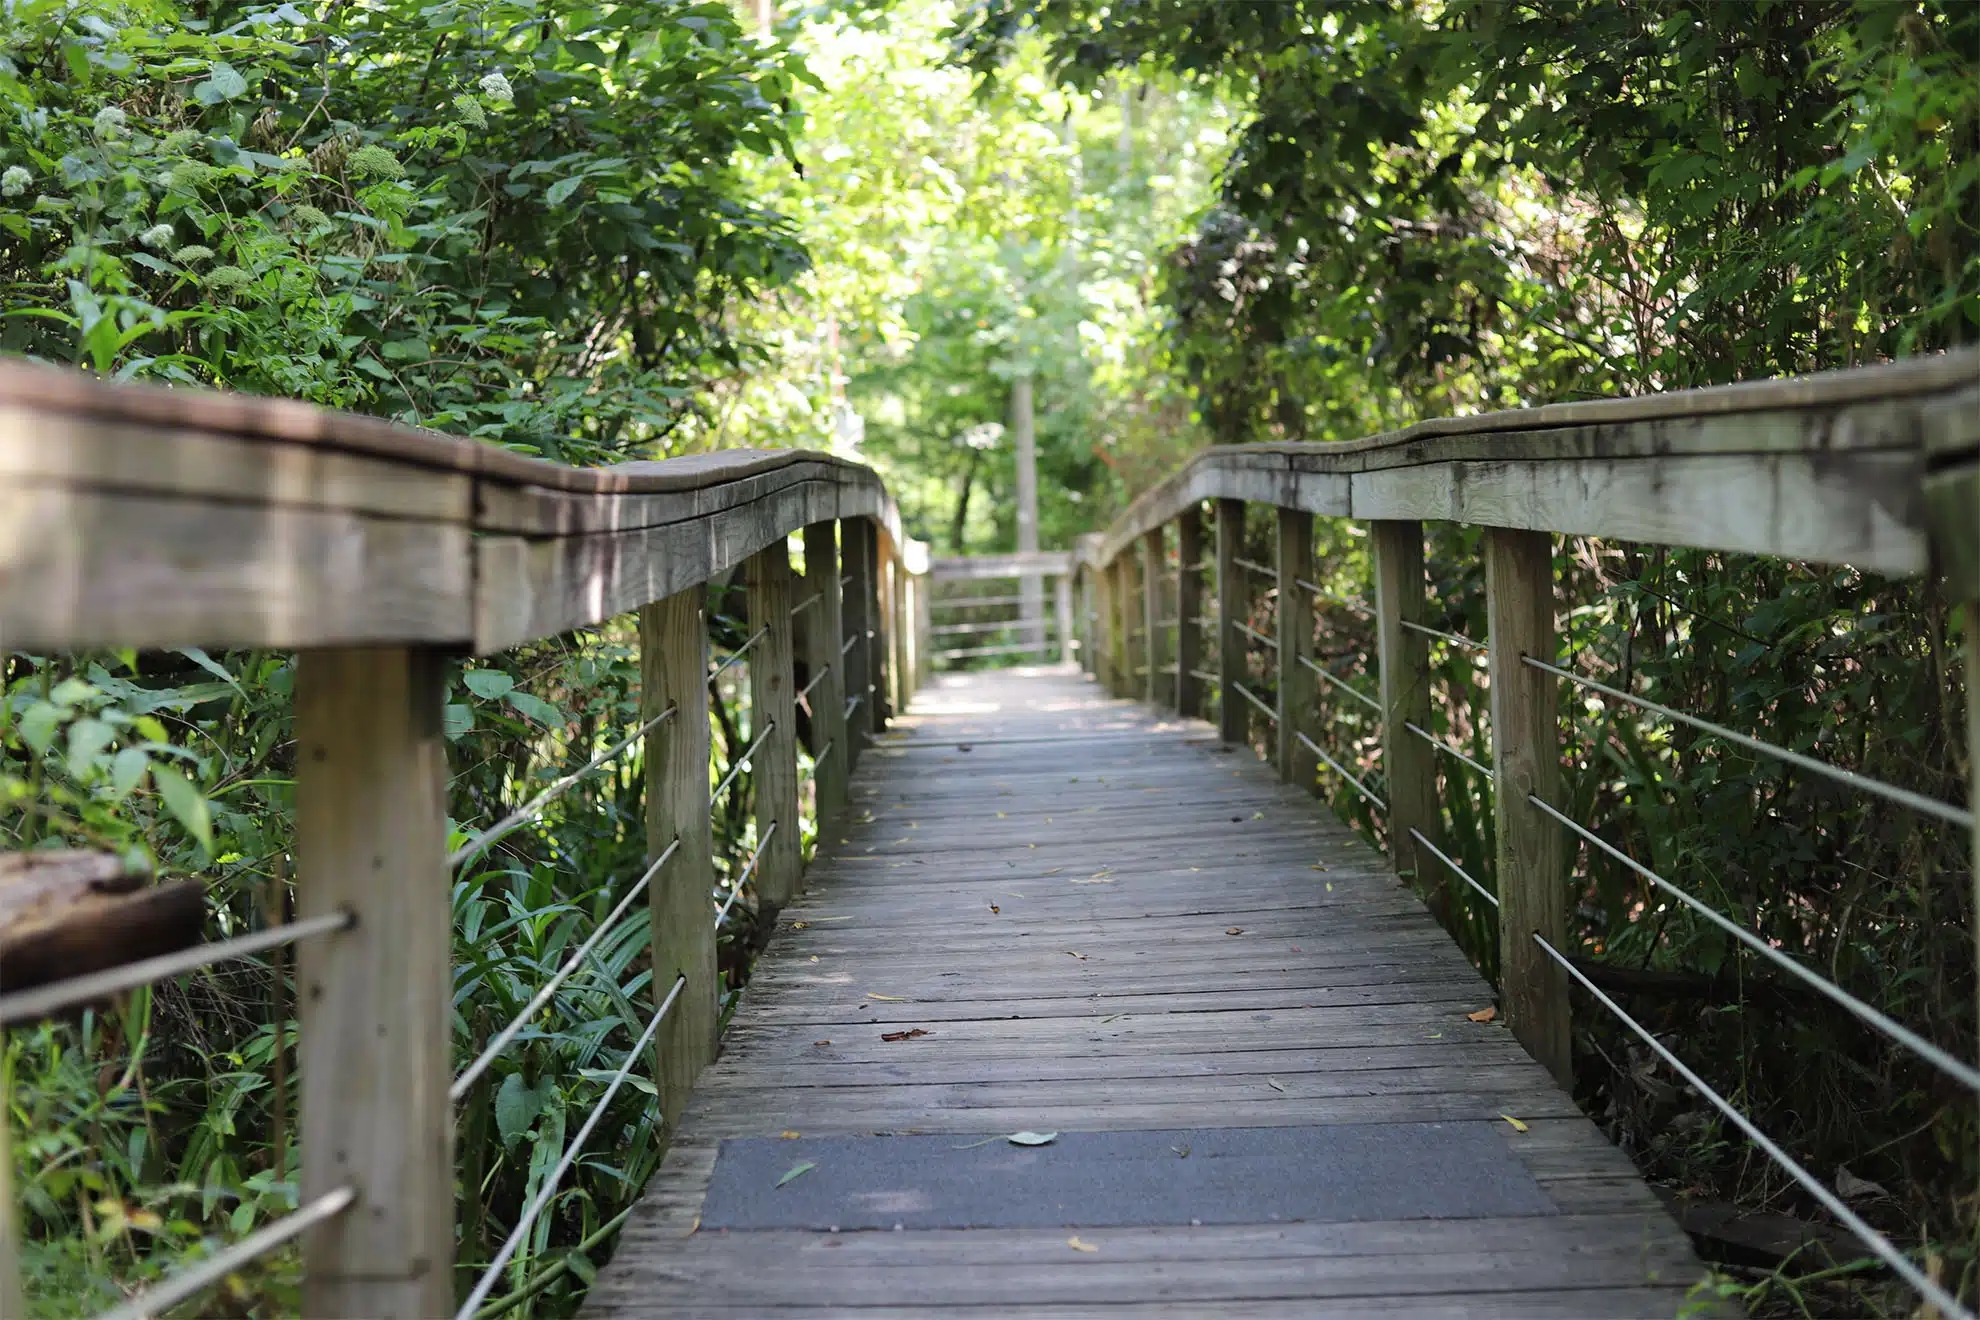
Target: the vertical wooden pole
(823, 633)
(673, 669)
(1107, 658)
(11, 1303)
(1154, 644)
(1409, 765)
(924, 625)
(1189, 611)
(1519, 577)
(1124, 606)
(852, 548)
(1062, 604)
(1297, 685)
(773, 710)
(875, 707)
(1233, 606)
(1134, 621)
(375, 1001)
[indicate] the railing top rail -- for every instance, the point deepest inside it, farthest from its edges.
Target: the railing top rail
(1830, 467)
(976, 568)
(146, 516)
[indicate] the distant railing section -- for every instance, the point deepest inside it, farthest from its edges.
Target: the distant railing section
(992, 608)
(141, 517)
(1878, 468)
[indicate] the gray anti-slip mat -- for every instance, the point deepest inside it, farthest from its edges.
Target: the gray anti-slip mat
(1331, 1174)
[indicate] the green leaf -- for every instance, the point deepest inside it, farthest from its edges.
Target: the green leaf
(797, 1171)
(87, 739)
(561, 189)
(517, 1105)
(127, 770)
(39, 724)
(536, 708)
(488, 683)
(185, 802)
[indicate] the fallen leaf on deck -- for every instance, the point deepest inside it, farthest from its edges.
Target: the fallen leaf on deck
(797, 1171)
(821, 1042)
(1258, 815)
(1316, 867)
(1055, 870)
(995, 908)
(800, 925)
(1517, 1126)
(889, 999)
(1032, 1138)
(1112, 1017)
(1330, 886)
(788, 1135)
(1077, 1245)
(1002, 816)
(1235, 930)
(1485, 1014)
(1273, 1082)
(915, 1034)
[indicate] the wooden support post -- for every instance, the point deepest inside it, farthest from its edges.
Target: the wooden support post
(1107, 651)
(898, 685)
(1297, 686)
(858, 720)
(1233, 606)
(1153, 552)
(375, 1002)
(1134, 623)
(1189, 610)
(823, 631)
(1120, 588)
(673, 670)
(1062, 604)
(924, 626)
(1409, 765)
(874, 708)
(773, 708)
(1519, 579)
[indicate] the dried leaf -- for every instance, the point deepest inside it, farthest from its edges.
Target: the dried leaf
(1485, 1014)
(1235, 930)
(788, 1135)
(800, 925)
(889, 999)
(1517, 1126)
(1273, 1082)
(1032, 1138)
(1077, 1245)
(821, 1042)
(914, 1034)
(1003, 815)
(995, 908)
(797, 1171)
(1851, 1187)
(1074, 954)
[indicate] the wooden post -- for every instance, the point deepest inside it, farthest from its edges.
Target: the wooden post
(823, 632)
(673, 670)
(852, 548)
(1062, 603)
(1297, 684)
(375, 1002)
(1154, 644)
(1519, 578)
(924, 625)
(875, 705)
(1189, 610)
(773, 708)
(1107, 654)
(1233, 605)
(1124, 677)
(1134, 617)
(1409, 765)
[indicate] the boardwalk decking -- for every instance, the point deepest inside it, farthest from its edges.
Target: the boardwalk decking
(1108, 922)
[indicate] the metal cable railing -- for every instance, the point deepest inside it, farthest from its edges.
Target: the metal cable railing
(970, 602)
(1462, 874)
(548, 1192)
(527, 812)
(1255, 700)
(1341, 683)
(806, 603)
(1009, 648)
(42, 1000)
(848, 644)
(1904, 797)
(195, 1279)
(804, 693)
(806, 772)
(1206, 677)
(1358, 606)
(500, 1039)
(852, 703)
(735, 657)
(1911, 1040)
(737, 766)
(1341, 770)
(1255, 635)
(1252, 565)
(1450, 750)
(1455, 639)
(1881, 1246)
(749, 869)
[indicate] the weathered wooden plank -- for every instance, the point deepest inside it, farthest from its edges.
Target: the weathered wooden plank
(1189, 610)
(773, 716)
(1297, 684)
(1409, 765)
(824, 628)
(1233, 604)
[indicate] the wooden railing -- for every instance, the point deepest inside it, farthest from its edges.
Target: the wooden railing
(1877, 468)
(964, 621)
(143, 517)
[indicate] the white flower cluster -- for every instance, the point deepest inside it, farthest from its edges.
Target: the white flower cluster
(109, 122)
(496, 88)
(15, 181)
(157, 236)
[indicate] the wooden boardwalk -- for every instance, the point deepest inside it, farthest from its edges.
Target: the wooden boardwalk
(1107, 922)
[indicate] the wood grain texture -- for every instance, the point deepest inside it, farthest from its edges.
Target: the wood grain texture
(1233, 606)
(1154, 561)
(375, 1002)
(673, 651)
(1107, 919)
(824, 628)
(1519, 601)
(1189, 609)
(773, 708)
(856, 567)
(1409, 765)
(1297, 685)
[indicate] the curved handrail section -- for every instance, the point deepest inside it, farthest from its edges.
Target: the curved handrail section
(147, 516)
(1845, 467)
